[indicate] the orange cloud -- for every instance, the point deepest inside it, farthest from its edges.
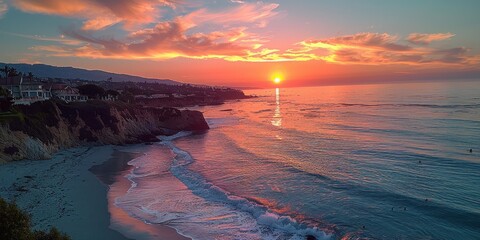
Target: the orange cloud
(382, 41)
(180, 37)
(376, 48)
(425, 38)
(3, 8)
(187, 35)
(98, 14)
(164, 41)
(170, 40)
(256, 13)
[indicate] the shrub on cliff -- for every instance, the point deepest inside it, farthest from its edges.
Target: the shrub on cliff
(35, 120)
(6, 101)
(10, 150)
(15, 225)
(92, 91)
(96, 114)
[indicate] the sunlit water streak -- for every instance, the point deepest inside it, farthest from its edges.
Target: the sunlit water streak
(277, 116)
(374, 161)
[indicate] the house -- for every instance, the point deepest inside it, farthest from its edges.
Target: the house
(67, 93)
(25, 92)
(12, 84)
(34, 90)
(110, 95)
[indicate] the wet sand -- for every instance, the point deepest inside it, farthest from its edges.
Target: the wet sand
(112, 173)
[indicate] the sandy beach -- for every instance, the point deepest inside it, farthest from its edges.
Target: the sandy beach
(64, 193)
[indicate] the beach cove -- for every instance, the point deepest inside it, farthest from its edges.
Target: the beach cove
(64, 193)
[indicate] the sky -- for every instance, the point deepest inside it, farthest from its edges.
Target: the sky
(249, 43)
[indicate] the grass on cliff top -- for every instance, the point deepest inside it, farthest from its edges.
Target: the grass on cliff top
(6, 117)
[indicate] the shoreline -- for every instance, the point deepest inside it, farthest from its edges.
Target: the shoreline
(112, 173)
(64, 193)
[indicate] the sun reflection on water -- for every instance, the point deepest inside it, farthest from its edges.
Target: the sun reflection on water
(277, 116)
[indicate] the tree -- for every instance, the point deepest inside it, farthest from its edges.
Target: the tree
(5, 70)
(15, 224)
(91, 90)
(9, 71)
(4, 92)
(12, 72)
(30, 76)
(6, 100)
(53, 234)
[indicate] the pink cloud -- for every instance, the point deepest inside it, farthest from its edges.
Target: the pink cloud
(170, 40)
(97, 13)
(244, 13)
(175, 38)
(376, 48)
(186, 34)
(372, 40)
(3, 8)
(425, 38)
(165, 40)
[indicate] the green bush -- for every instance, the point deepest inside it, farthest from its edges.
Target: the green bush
(6, 100)
(54, 234)
(15, 225)
(92, 91)
(35, 120)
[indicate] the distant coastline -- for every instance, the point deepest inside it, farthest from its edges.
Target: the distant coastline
(41, 115)
(49, 71)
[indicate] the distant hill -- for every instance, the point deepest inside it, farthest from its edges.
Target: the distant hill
(48, 71)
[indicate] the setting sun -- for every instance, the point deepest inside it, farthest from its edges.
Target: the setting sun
(277, 80)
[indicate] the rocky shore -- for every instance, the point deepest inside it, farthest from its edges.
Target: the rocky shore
(43, 128)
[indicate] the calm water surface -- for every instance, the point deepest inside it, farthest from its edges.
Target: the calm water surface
(340, 162)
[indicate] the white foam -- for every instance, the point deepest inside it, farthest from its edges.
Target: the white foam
(198, 185)
(199, 209)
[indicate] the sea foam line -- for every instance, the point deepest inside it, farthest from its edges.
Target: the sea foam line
(201, 187)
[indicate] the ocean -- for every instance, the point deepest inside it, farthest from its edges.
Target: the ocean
(386, 161)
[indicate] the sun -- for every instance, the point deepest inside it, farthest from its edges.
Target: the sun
(277, 78)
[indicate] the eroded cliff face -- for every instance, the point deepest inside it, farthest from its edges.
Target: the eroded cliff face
(46, 127)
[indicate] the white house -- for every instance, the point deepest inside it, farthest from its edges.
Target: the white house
(67, 93)
(25, 92)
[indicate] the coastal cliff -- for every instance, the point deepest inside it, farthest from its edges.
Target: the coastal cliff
(41, 129)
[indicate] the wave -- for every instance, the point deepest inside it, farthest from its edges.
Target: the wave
(280, 225)
(387, 195)
(264, 110)
(411, 105)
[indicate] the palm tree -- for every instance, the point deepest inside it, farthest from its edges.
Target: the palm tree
(30, 76)
(12, 72)
(5, 70)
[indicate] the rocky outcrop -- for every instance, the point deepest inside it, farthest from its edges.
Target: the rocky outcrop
(43, 128)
